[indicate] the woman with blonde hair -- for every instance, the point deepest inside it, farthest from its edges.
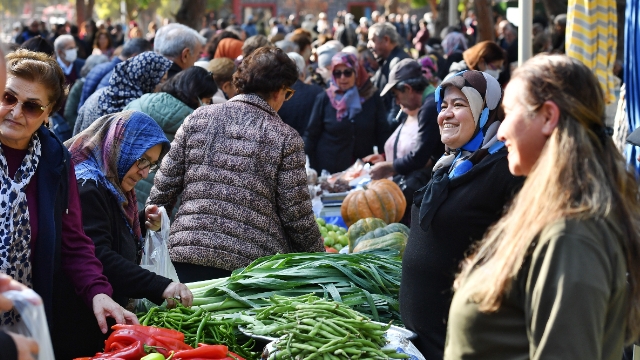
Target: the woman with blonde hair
(557, 276)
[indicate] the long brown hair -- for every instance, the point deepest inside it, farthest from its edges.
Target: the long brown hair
(579, 175)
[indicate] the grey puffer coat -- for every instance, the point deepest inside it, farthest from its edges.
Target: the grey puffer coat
(241, 173)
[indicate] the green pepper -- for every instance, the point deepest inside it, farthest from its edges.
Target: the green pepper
(153, 356)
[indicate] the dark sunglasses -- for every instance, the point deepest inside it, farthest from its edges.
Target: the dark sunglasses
(30, 109)
(145, 163)
(346, 72)
(288, 94)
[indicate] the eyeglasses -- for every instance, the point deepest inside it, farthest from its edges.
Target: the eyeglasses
(346, 72)
(30, 109)
(288, 94)
(144, 163)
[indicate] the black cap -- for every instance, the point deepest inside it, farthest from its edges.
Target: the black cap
(405, 69)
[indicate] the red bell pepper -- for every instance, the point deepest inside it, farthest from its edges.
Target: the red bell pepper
(128, 337)
(204, 351)
(173, 344)
(123, 337)
(151, 331)
(132, 352)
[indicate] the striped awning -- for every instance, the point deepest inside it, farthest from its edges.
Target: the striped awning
(592, 38)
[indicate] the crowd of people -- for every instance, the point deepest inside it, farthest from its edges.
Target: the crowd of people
(524, 220)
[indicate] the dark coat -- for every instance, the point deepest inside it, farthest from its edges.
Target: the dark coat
(118, 252)
(475, 201)
(381, 77)
(116, 247)
(295, 112)
(334, 145)
(428, 145)
(94, 77)
(9, 351)
(49, 280)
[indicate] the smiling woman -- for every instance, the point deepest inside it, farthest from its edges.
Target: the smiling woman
(469, 187)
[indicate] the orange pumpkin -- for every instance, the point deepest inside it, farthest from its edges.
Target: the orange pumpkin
(381, 199)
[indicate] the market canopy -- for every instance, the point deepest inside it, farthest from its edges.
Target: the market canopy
(592, 38)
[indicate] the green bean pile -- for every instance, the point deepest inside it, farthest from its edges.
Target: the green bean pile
(314, 328)
(199, 326)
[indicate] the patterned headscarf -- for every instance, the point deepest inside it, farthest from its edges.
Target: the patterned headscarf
(483, 94)
(131, 79)
(349, 103)
(454, 42)
(106, 150)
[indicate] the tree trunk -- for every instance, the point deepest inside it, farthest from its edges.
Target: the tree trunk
(391, 7)
(433, 4)
(191, 13)
(555, 7)
(88, 10)
(621, 22)
(442, 20)
(485, 20)
(80, 12)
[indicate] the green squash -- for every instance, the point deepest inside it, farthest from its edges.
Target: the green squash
(396, 241)
(361, 227)
(380, 232)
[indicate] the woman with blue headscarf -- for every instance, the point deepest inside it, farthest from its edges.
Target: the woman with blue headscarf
(110, 157)
(347, 120)
(469, 188)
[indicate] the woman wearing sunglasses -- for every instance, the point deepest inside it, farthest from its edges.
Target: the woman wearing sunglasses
(42, 243)
(347, 120)
(240, 170)
(110, 157)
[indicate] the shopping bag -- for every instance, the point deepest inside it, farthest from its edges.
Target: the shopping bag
(29, 305)
(155, 256)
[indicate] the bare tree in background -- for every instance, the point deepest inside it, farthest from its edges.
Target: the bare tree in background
(442, 20)
(84, 10)
(484, 16)
(191, 13)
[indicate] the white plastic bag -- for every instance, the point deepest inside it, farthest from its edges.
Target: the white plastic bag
(402, 345)
(155, 256)
(29, 305)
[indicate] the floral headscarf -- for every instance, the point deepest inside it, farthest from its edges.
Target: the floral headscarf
(454, 42)
(131, 79)
(483, 94)
(106, 150)
(349, 103)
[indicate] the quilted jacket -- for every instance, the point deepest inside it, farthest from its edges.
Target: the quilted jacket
(241, 173)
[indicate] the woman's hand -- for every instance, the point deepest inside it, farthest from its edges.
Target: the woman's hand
(373, 158)
(104, 306)
(27, 348)
(382, 170)
(177, 291)
(152, 217)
